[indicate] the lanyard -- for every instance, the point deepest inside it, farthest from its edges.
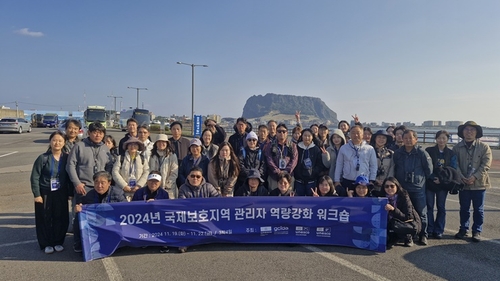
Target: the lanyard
(131, 170)
(52, 167)
(356, 150)
(282, 151)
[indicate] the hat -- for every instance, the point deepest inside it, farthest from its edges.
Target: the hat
(133, 140)
(362, 180)
(254, 174)
(472, 124)
(154, 177)
(252, 136)
(195, 142)
(339, 133)
(381, 133)
(161, 137)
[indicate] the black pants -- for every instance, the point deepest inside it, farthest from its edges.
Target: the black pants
(52, 218)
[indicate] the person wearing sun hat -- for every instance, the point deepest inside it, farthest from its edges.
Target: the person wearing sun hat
(130, 171)
(163, 159)
(474, 160)
(362, 187)
(253, 185)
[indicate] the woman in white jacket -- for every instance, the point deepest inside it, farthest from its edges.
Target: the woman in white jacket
(163, 159)
(130, 171)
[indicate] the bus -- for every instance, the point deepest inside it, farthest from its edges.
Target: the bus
(95, 113)
(141, 115)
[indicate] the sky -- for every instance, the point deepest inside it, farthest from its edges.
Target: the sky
(392, 61)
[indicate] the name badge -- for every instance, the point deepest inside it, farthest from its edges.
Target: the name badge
(54, 184)
(308, 163)
(282, 164)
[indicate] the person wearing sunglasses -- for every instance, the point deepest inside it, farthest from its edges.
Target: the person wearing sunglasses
(355, 158)
(281, 156)
(399, 207)
(251, 157)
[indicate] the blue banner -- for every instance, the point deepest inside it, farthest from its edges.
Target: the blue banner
(197, 126)
(342, 221)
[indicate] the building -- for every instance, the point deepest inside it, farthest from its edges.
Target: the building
(431, 123)
(453, 124)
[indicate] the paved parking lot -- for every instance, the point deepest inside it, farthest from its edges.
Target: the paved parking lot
(21, 259)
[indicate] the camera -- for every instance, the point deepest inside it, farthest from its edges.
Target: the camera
(410, 177)
(380, 171)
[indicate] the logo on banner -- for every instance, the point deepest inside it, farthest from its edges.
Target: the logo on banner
(323, 232)
(266, 230)
(301, 230)
(280, 230)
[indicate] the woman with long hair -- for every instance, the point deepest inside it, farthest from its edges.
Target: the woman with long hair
(223, 170)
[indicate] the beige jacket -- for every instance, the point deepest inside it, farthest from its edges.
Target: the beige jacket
(480, 160)
(169, 170)
(121, 173)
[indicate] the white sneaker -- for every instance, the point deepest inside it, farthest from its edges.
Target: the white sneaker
(59, 248)
(49, 250)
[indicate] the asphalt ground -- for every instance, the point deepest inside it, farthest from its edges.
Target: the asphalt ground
(21, 258)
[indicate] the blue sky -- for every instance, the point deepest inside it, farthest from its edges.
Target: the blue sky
(387, 61)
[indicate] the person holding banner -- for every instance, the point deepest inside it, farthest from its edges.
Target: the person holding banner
(163, 159)
(103, 192)
(51, 190)
(223, 170)
(284, 186)
(152, 190)
(400, 211)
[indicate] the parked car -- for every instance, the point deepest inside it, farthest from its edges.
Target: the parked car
(18, 125)
(83, 131)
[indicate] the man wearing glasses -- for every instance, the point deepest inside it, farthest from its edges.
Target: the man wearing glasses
(281, 155)
(412, 167)
(355, 158)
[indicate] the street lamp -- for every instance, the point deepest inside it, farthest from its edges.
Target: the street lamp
(192, 88)
(137, 93)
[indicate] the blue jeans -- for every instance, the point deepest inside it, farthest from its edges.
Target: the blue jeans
(419, 203)
(439, 198)
(465, 197)
(303, 188)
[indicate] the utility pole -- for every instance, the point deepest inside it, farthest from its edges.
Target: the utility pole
(138, 89)
(17, 110)
(115, 97)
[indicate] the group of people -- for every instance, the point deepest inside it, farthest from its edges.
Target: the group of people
(313, 162)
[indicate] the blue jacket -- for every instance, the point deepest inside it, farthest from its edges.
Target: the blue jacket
(412, 169)
(143, 194)
(187, 164)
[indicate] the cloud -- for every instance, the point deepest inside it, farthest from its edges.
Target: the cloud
(26, 32)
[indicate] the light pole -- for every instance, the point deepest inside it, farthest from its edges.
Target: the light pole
(115, 97)
(192, 88)
(138, 89)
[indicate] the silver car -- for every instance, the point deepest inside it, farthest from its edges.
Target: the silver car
(17, 125)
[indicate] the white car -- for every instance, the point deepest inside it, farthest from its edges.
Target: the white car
(17, 125)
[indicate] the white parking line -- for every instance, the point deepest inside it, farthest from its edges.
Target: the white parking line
(10, 153)
(112, 269)
(348, 264)
(17, 243)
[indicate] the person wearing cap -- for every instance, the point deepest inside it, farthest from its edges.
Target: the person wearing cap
(253, 185)
(362, 187)
(152, 190)
(281, 156)
(250, 157)
(309, 164)
(385, 161)
(218, 133)
(474, 161)
(238, 139)
(223, 170)
(130, 171)
(329, 155)
(354, 159)
(179, 143)
(412, 167)
(163, 159)
(442, 157)
(209, 148)
(323, 137)
(195, 158)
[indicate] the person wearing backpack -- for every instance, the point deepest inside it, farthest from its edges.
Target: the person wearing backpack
(250, 157)
(130, 171)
